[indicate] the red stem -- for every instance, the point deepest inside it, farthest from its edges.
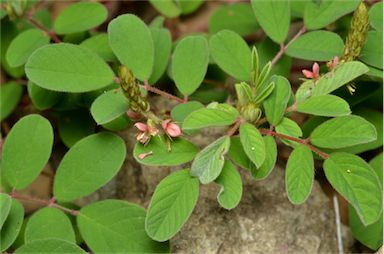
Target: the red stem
(162, 93)
(297, 140)
(234, 128)
(44, 29)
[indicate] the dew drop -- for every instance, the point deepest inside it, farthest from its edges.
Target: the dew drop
(252, 148)
(348, 171)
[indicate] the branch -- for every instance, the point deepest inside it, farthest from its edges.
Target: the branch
(284, 47)
(161, 93)
(297, 140)
(234, 128)
(49, 203)
(41, 27)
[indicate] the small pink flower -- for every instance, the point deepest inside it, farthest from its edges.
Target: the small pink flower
(314, 74)
(171, 129)
(141, 126)
(332, 64)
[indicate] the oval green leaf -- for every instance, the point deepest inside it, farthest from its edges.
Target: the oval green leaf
(10, 94)
(316, 46)
(50, 246)
(68, 68)
(266, 168)
(290, 128)
(99, 44)
(168, 8)
(232, 54)
(237, 155)
(373, 50)
(182, 110)
(274, 17)
(5, 207)
(231, 186)
(49, 222)
(88, 165)
(376, 16)
(124, 33)
(343, 131)
(209, 162)
(42, 98)
(324, 105)
(12, 225)
(190, 63)
(116, 226)
(181, 151)
(26, 150)
(23, 45)
(299, 174)
(356, 181)
(253, 143)
(80, 17)
(171, 205)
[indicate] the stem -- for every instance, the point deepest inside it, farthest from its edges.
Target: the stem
(284, 47)
(45, 202)
(297, 140)
(41, 27)
(161, 93)
(234, 128)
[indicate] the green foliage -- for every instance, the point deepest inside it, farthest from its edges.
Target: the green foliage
(266, 168)
(343, 131)
(209, 162)
(116, 226)
(171, 205)
(26, 150)
(42, 98)
(237, 17)
(99, 44)
(124, 34)
(357, 182)
(168, 8)
(80, 17)
(12, 225)
(5, 207)
(299, 174)
(162, 153)
(49, 223)
(231, 186)
(253, 143)
(238, 156)
(316, 46)
(10, 94)
(50, 246)
(376, 16)
(290, 128)
(24, 45)
(100, 155)
(273, 17)
(324, 105)
(231, 53)
(72, 69)
(189, 63)
(373, 50)
(181, 111)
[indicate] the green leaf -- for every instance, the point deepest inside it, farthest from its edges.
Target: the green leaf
(276, 103)
(371, 235)
(270, 159)
(253, 143)
(320, 14)
(373, 50)
(190, 63)
(49, 222)
(343, 131)
(290, 128)
(109, 106)
(163, 45)
(356, 181)
(116, 226)
(10, 94)
(232, 54)
(118, 124)
(188, 6)
(88, 165)
(316, 46)
(274, 18)
(324, 105)
(376, 16)
(168, 8)
(5, 207)
(68, 68)
(75, 125)
(12, 225)
(231, 186)
(181, 151)
(342, 75)
(237, 155)
(42, 98)
(80, 17)
(99, 44)
(23, 45)
(299, 174)
(26, 150)
(124, 33)
(209, 162)
(50, 246)
(181, 111)
(237, 17)
(208, 117)
(171, 205)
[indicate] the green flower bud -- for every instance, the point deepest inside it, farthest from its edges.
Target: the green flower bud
(251, 112)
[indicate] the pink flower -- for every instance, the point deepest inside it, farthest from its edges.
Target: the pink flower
(141, 126)
(314, 74)
(171, 129)
(332, 64)
(143, 136)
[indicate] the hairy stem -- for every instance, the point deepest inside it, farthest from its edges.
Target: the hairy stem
(297, 140)
(161, 93)
(234, 128)
(44, 29)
